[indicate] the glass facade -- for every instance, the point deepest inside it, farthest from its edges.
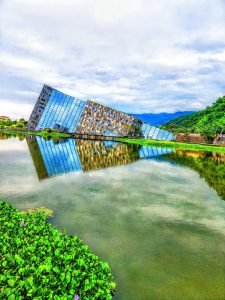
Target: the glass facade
(62, 112)
(155, 133)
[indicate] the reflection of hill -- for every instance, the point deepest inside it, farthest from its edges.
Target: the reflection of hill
(210, 166)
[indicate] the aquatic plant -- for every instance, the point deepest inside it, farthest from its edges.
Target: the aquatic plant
(39, 262)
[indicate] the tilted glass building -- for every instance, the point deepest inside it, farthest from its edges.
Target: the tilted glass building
(57, 110)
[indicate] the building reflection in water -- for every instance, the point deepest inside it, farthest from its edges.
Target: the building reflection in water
(53, 157)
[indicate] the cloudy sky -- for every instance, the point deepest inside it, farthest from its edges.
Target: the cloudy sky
(133, 55)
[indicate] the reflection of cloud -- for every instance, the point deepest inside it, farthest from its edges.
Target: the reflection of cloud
(132, 55)
(162, 211)
(12, 145)
(18, 176)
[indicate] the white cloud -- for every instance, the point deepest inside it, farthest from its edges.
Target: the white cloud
(14, 109)
(135, 55)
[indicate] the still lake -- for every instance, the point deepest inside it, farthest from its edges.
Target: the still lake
(157, 216)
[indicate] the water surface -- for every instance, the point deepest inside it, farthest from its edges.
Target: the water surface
(155, 215)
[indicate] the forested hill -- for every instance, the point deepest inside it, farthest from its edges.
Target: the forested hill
(161, 118)
(207, 121)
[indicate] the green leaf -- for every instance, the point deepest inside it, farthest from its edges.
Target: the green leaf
(68, 277)
(56, 269)
(11, 282)
(62, 276)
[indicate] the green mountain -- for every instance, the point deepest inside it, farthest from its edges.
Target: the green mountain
(207, 121)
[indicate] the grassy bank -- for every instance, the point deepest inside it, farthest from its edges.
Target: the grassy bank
(171, 144)
(42, 133)
(39, 262)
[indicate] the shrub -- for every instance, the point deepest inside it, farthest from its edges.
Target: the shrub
(19, 125)
(48, 130)
(39, 262)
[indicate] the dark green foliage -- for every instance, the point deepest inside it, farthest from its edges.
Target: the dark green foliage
(39, 262)
(207, 122)
(7, 123)
(21, 123)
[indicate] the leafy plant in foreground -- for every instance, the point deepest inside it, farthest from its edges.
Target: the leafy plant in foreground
(39, 262)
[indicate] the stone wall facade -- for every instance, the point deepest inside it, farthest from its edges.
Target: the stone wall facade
(102, 120)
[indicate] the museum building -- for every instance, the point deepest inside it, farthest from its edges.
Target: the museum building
(65, 113)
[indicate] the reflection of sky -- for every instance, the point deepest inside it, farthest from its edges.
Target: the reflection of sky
(17, 172)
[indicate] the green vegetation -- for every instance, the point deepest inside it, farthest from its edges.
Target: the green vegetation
(206, 122)
(39, 262)
(54, 134)
(21, 123)
(170, 144)
(46, 133)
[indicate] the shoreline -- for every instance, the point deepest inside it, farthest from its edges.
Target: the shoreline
(41, 133)
(174, 145)
(137, 141)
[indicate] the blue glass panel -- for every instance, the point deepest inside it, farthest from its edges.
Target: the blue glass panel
(109, 144)
(110, 133)
(59, 158)
(152, 131)
(149, 152)
(62, 112)
(155, 133)
(145, 129)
